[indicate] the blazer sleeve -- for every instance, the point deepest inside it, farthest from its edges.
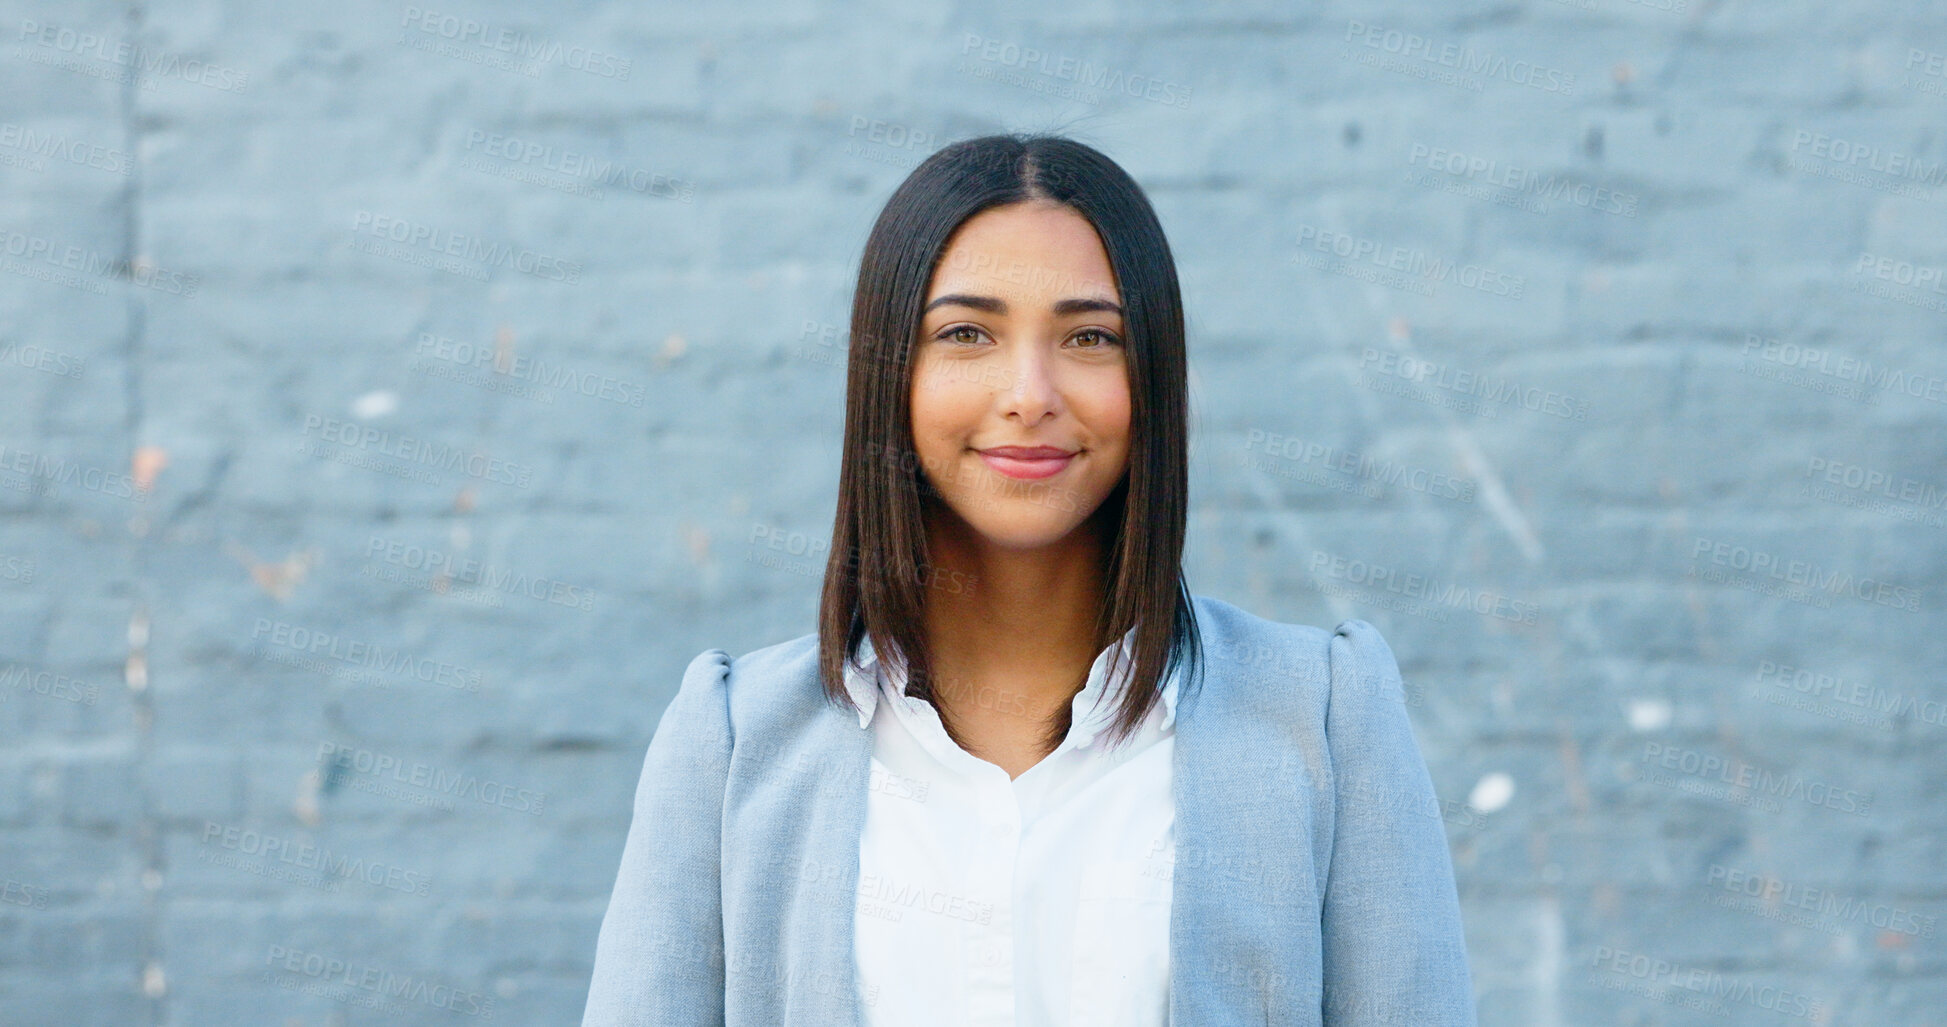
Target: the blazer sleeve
(659, 956)
(1394, 953)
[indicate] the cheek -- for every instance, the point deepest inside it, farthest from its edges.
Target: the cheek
(1109, 411)
(943, 411)
(1111, 427)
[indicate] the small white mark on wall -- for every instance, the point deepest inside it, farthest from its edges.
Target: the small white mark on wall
(1491, 792)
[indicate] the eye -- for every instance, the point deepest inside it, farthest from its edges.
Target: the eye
(966, 334)
(1103, 338)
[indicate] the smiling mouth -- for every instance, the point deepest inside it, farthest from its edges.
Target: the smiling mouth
(1028, 463)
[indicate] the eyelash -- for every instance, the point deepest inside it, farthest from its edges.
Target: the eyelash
(1109, 338)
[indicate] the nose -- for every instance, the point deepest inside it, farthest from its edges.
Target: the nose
(1030, 392)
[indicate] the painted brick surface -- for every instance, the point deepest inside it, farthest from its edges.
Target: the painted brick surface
(1592, 350)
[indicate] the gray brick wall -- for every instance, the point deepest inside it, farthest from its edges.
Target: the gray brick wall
(1623, 317)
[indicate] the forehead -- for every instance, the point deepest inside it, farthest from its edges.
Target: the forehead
(1034, 253)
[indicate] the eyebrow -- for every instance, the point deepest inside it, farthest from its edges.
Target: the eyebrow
(994, 305)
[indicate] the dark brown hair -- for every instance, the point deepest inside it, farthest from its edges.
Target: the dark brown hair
(879, 528)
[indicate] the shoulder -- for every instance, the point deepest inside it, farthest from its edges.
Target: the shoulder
(762, 669)
(768, 694)
(747, 708)
(1232, 633)
(716, 685)
(1297, 668)
(757, 672)
(697, 718)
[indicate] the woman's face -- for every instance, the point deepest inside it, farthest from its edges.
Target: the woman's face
(1021, 345)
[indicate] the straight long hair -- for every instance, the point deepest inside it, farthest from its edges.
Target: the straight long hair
(878, 574)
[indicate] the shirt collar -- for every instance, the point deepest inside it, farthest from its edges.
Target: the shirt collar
(1092, 710)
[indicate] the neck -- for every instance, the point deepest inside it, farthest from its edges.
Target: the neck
(1026, 620)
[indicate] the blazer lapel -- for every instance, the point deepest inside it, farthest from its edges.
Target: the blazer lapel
(1244, 900)
(792, 824)
(835, 952)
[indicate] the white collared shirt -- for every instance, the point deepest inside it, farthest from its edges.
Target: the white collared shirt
(1033, 902)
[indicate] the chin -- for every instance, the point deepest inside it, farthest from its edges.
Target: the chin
(1023, 532)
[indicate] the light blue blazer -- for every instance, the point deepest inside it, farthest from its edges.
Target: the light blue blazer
(1312, 882)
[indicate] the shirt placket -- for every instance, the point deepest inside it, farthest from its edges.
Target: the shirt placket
(990, 940)
(987, 885)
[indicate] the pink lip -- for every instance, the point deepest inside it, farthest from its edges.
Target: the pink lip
(1027, 462)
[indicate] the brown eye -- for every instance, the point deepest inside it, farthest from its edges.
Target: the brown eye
(1102, 338)
(960, 333)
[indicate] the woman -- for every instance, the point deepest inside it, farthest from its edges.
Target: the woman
(1073, 793)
